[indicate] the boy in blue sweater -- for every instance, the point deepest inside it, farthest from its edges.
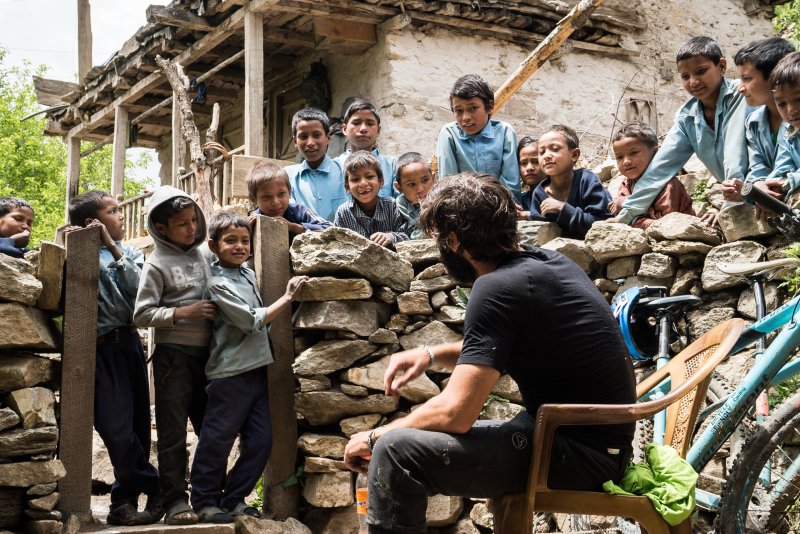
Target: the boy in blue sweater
(237, 377)
(16, 221)
(710, 124)
(573, 198)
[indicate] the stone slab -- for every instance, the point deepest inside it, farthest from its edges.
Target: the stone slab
(330, 288)
(25, 328)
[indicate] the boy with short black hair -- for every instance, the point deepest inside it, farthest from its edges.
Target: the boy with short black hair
(317, 183)
(785, 84)
(170, 299)
(237, 377)
(16, 222)
(710, 124)
(374, 217)
(530, 172)
(270, 190)
(414, 180)
(572, 198)
(121, 386)
(634, 146)
(476, 142)
(362, 126)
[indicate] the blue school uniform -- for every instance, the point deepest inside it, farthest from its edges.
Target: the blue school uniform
(321, 190)
(762, 145)
(787, 161)
(723, 149)
(493, 151)
(587, 202)
(299, 214)
(388, 168)
(9, 248)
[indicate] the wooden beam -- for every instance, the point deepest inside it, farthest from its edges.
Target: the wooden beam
(344, 30)
(50, 270)
(118, 157)
(84, 38)
(50, 92)
(177, 142)
(73, 170)
(177, 17)
(254, 84)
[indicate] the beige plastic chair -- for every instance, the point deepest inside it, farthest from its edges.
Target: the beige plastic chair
(690, 373)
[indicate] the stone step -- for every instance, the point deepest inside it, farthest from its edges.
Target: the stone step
(160, 528)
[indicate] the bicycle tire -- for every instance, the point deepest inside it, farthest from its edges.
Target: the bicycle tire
(746, 505)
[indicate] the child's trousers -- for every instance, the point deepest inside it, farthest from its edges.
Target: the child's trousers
(180, 381)
(236, 405)
(122, 414)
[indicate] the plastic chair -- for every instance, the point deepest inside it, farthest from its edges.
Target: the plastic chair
(690, 372)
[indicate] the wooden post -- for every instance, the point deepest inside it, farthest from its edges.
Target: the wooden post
(254, 84)
(73, 171)
(272, 271)
(77, 368)
(177, 141)
(84, 39)
(118, 157)
(574, 20)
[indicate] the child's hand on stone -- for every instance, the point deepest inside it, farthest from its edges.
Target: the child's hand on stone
(294, 286)
(382, 238)
(550, 205)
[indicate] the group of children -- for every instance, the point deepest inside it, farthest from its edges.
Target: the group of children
(196, 292)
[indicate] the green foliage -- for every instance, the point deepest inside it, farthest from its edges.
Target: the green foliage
(787, 17)
(489, 399)
(33, 166)
(699, 193)
(461, 298)
(783, 391)
(258, 502)
(792, 282)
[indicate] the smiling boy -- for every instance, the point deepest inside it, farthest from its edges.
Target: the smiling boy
(476, 142)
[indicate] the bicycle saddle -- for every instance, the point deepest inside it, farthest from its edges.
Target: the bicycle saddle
(669, 303)
(759, 267)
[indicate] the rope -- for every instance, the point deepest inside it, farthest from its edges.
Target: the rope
(213, 145)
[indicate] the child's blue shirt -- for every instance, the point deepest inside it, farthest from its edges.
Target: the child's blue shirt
(388, 169)
(493, 151)
(787, 161)
(723, 149)
(9, 248)
(762, 146)
(117, 287)
(299, 214)
(586, 203)
(321, 189)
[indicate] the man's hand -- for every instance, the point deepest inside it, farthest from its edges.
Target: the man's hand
(774, 188)
(550, 205)
(357, 453)
(202, 309)
(294, 285)
(732, 190)
(21, 239)
(383, 239)
(404, 367)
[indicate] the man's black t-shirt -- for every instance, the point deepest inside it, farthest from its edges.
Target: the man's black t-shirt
(540, 319)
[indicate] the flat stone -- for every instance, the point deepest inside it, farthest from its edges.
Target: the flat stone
(359, 423)
(323, 465)
(443, 510)
(34, 405)
(43, 526)
(25, 327)
(397, 323)
(704, 319)
(537, 233)
(608, 241)
(18, 282)
(481, 515)
(431, 334)
(382, 336)
(326, 407)
(680, 248)
(434, 271)
(418, 251)
(410, 329)
(657, 265)
(738, 252)
(739, 222)
(432, 285)
(322, 445)
(72, 524)
(622, 268)
(414, 303)
(332, 520)
(507, 388)
(329, 490)
(685, 280)
(26, 474)
(682, 227)
(46, 503)
(314, 383)
(463, 526)
(250, 525)
(339, 250)
(361, 318)
(331, 355)
(40, 490)
(19, 370)
(22, 442)
(439, 299)
(385, 294)
(606, 286)
(451, 315)
(747, 300)
(386, 350)
(354, 390)
(371, 376)
(500, 410)
(8, 419)
(330, 288)
(575, 249)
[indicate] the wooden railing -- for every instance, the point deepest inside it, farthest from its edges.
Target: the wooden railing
(135, 216)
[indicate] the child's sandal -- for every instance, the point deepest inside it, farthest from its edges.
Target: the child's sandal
(212, 514)
(244, 509)
(180, 513)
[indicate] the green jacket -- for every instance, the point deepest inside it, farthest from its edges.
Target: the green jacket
(666, 479)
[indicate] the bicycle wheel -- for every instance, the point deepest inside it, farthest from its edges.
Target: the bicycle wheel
(750, 505)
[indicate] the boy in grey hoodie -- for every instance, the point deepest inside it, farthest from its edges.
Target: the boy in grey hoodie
(170, 299)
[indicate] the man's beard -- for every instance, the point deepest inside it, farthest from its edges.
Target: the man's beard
(457, 266)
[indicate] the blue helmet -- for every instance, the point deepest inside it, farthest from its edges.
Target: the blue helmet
(638, 325)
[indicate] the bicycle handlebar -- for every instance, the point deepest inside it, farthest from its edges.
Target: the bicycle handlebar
(764, 199)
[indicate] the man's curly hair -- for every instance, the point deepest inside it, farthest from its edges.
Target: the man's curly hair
(478, 208)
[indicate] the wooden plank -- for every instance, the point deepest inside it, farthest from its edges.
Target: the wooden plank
(177, 17)
(344, 30)
(50, 272)
(77, 368)
(118, 153)
(254, 84)
(73, 170)
(178, 151)
(84, 38)
(241, 166)
(272, 265)
(50, 92)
